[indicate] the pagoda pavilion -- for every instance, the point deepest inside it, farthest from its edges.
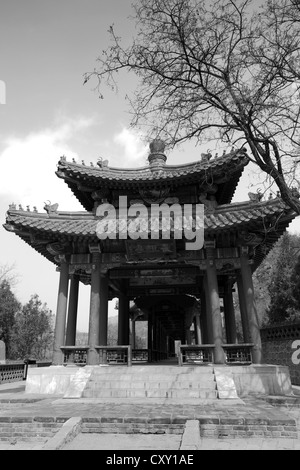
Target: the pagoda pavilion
(184, 295)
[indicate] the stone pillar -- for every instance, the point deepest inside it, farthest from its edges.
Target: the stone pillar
(154, 336)
(150, 342)
(94, 320)
(230, 323)
(251, 307)
(208, 315)
(198, 336)
(187, 336)
(188, 320)
(103, 322)
(123, 320)
(61, 312)
(214, 301)
(72, 311)
(243, 310)
(133, 333)
(203, 316)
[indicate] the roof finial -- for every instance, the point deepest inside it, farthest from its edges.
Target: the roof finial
(157, 157)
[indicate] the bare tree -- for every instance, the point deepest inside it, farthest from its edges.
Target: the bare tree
(227, 70)
(7, 274)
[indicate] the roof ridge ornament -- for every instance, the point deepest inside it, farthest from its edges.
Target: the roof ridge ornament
(256, 197)
(102, 163)
(50, 208)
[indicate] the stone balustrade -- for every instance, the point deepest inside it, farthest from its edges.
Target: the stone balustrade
(196, 354)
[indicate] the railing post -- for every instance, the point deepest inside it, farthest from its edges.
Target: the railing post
(180, 356)
(129, 356)
(25, 370)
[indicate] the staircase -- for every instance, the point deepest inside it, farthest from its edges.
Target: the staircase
(152, 382)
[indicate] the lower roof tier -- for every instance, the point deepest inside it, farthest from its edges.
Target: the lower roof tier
(255, 224)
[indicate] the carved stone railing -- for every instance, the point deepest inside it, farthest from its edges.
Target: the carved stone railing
(75, 355)
(238, 353)
(12, 372)
(115, 355)
(141, 355)
(196, 354)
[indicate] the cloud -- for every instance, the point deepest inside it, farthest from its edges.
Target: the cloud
(134, 152)
(28, 165)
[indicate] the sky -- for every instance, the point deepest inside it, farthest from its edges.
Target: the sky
(46, 112)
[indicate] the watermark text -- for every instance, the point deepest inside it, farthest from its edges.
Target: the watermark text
(159, 221)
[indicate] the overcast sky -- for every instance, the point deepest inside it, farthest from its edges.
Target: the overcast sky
(45, 48)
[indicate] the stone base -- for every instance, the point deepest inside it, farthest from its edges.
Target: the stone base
(262, 379)
(52, 380)
(248, 380)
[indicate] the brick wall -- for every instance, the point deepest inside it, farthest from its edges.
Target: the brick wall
(25, 428)
(279, 348)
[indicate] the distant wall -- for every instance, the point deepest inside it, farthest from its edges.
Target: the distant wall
(281, 346)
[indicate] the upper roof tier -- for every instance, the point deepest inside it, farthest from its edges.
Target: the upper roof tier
(221, 172)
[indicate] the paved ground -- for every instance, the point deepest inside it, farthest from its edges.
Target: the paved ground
(15, 402)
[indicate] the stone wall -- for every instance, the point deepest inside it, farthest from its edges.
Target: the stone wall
(281, 346)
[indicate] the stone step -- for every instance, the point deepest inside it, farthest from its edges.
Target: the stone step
(125, 393)
(150, 370)
(147, 376)
(151, 385)
(151, 381)
(158, 376)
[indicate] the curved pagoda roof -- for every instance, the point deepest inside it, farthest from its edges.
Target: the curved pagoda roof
(224, 171)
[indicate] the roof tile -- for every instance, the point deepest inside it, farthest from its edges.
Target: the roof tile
(84, 223)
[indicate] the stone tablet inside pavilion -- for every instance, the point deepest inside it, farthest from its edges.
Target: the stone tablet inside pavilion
(185, 295)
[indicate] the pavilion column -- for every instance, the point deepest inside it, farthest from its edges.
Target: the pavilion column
(203, 315)
(243, 309)
(251, 307)
(133, 333)
(94, 319)
(230, 323)
(159, 339)
(208, 314)
(61, 312)
(154, 337)
(187, 331)
(150, 343)
(72, 311)
(198, 336)
(123, 320)
(103, 321)
(214, 300)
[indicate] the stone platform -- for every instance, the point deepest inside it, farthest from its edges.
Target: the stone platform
(223, 402)
(166, 381)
